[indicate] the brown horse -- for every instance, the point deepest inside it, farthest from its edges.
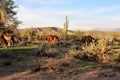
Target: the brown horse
(50, 38)
(53, 38)
(88, 39)
(3, 41)
(9, 39)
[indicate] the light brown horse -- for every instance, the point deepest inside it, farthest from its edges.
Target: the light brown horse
(3, 41)
(9, 39)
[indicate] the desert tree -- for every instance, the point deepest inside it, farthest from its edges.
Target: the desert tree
(7, 15)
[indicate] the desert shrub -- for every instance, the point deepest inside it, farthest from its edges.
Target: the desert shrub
(47, 49)
(52, 52)
(116, 35)
(93, 52)
(74, 53)
(66, 60)
(57, 64)
(115, 56)
(74, 50)
(53, 63)
(41, 50)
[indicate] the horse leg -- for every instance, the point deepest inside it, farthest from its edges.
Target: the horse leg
(13, 41)
(4, 45)
(9, 42)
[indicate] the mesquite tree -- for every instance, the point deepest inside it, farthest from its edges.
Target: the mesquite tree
(7, 15)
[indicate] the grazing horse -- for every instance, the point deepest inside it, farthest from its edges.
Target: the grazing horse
(3, 41)
(88, 39)
(50, 38)
(10, 39)
(53, 38)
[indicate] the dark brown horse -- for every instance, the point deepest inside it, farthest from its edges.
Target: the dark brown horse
(88, 39)
(9, 39)
(3, 41)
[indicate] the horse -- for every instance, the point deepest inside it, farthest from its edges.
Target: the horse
(53, 38)
(50, 38)
(3, 41)
(88, 39)
(9, 39)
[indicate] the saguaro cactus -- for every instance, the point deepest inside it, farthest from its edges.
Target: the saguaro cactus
(66, 25)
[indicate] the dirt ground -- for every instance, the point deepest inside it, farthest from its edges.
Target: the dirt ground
(94, 74)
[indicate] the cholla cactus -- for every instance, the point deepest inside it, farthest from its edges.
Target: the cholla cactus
(66, 24)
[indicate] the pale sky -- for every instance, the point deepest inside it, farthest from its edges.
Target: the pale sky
(82, 14)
